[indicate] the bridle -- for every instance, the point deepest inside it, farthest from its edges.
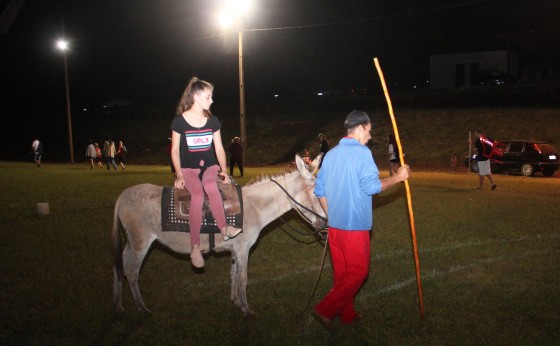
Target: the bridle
(299, 205)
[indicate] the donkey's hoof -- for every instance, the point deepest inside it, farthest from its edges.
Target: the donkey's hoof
(144, 310)
(249, 313)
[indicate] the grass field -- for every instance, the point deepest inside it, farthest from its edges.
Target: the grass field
(489, 262)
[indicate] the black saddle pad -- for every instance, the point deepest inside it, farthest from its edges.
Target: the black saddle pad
(175, 209)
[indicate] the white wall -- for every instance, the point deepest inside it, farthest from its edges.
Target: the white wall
(443, 67)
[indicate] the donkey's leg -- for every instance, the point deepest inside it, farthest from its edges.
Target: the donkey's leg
(117, 291)
(240, 279)
(132, 261)
(234, 279)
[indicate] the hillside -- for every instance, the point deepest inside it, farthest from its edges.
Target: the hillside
(432, 125)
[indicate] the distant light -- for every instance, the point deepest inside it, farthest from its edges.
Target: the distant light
(225, 19)
(62, 45)
(276, 96)
(319, 94)
(85, 109)
(240, 7)
(233, 12)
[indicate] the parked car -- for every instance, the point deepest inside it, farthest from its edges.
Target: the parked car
(524, 157)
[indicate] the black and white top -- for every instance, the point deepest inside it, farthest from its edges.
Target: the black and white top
(196, 149)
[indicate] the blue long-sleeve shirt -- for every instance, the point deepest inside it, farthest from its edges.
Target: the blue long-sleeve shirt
(348, 178)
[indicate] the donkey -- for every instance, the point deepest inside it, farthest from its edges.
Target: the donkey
(138, 215)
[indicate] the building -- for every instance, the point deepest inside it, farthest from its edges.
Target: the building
(453, 71)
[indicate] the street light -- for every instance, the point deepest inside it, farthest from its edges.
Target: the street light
(63, 46)
(233, 16)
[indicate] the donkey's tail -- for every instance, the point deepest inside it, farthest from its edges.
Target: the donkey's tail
(116, 241)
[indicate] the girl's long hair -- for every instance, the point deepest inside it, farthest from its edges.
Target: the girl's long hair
(187, 99)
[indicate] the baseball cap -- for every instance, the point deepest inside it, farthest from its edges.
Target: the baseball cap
(356, 118)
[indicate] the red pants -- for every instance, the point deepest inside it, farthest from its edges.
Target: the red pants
(350, 259)
(195, 187)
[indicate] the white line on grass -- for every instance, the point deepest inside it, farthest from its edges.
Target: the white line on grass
(468, 244)
(454, 269)
(407, 282)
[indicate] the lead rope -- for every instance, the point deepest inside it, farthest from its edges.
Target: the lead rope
(324, 250)
(318, 275)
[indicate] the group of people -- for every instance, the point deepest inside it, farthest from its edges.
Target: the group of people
(97, 156)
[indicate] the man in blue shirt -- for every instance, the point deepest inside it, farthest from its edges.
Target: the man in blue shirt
(345, 184)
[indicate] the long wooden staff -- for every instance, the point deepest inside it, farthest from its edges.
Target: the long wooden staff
(408, 196)
(470, 154)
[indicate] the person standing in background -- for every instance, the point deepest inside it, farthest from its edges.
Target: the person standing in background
(121, 154)
(236, 155)
(324, 147)
(109, 154)
(483, 146)
(393, 151)
(91, 154)
(98, 156)
(37, 151)
(168, 152)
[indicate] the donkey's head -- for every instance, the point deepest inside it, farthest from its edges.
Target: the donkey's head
(316, 217)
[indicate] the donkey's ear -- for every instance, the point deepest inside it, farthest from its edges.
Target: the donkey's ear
(314, 166)
(302, 168)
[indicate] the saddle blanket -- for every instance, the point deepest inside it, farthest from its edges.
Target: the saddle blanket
(175, 209)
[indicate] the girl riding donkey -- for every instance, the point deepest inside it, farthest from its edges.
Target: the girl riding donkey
(196, 142)
(138, 216)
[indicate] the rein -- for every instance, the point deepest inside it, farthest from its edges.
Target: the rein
(297, 203)
(308, 233)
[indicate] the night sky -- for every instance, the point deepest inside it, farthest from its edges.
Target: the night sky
(146, 50)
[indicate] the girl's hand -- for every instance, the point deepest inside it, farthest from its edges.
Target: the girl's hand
(179, 182)
(224, 178)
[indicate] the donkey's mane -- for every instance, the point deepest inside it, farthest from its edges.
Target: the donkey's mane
(266, 178)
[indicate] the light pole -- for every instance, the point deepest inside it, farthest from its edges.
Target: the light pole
(62, 45)
(233, 15)
(242, 120)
